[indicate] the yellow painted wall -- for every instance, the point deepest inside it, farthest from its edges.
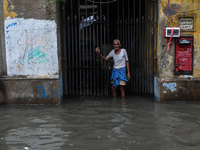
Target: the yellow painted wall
(166, 59)
(8, 9)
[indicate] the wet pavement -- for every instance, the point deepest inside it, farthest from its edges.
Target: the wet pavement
(101, 124)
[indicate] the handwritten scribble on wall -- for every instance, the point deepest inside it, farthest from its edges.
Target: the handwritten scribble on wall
(31, 47)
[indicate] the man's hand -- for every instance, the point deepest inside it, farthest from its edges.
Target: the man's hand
(97, 50)
(128, 76)
(128, 72)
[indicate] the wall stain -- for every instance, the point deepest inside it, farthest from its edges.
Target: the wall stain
(170, 86)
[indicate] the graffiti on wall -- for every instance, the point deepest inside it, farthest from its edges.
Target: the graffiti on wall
(48, 93)
(31, 47)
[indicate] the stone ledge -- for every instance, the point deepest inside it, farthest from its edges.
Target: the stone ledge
(176, 79)
(177, 89)
(26, 91)
(28, 78)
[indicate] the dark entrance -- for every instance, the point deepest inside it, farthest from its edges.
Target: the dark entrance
(91, 23)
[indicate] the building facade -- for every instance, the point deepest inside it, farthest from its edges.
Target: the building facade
(46, 48)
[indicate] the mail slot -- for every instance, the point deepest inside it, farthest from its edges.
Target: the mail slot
(184, 42)
(184, 55)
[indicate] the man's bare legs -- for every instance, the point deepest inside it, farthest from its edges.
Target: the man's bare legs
(122, 91)
(114, 91)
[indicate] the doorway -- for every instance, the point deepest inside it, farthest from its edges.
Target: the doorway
(91, 23)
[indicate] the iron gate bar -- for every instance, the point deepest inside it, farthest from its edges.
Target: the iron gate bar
(97, 37)
(145, 48)
(68, 43)
(123, 37)
(136, 57)
(142, 55)
(71, 47)
(83, 54)
(76, 50)
(126, 33)
(149, 52)
(108, 30)
(128, 36)
(90, 56)
(128, 29)
(139, 49)
(101, 89)
(104, 80)
(94, 63)
(79, 47)
(130, 57)
(72, 41)
(97, 26)
(87, 78)
(134, 46)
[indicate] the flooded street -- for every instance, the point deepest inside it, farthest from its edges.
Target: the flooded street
(101, 124)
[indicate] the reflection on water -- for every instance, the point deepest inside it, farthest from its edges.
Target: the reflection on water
(101, 123)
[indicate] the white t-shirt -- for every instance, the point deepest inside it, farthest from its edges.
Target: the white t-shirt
(119, 59)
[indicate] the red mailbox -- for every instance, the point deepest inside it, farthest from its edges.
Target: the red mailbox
(184, 55)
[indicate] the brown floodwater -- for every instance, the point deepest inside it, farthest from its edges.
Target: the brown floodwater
(89, 123)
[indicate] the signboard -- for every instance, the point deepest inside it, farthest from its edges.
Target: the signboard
(186, 23)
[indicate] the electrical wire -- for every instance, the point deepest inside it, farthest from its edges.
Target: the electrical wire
(170, 21)
(169, 13)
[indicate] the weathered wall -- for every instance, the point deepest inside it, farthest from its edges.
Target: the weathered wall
(31, 47)
(30, 40)
(29, 91)
(166, 59)
(30, 50)
(180, 90)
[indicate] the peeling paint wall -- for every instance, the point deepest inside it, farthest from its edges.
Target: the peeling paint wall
(30, 39)
(166, 59)
(30, 52)
(170, 86)
(179, 90)
(31, 47)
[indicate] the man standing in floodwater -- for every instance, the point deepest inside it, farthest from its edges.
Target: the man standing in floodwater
(121, 63)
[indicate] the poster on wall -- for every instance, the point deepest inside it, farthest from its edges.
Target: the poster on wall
(31, 47)
(186, 23)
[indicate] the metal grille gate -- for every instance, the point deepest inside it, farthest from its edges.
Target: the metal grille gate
(91, 23)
